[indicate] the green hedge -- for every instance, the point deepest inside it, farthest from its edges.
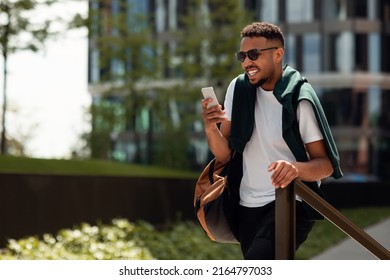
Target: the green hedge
(121, 240)
(182, 241)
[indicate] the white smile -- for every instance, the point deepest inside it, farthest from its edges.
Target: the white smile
(252, 72)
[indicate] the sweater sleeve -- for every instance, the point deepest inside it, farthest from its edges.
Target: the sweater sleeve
(326, 131)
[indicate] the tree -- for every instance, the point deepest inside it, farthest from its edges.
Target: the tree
(19, 32)
(208, 53)
(124, 42)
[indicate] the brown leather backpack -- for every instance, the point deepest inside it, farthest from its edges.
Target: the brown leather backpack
(210, 201)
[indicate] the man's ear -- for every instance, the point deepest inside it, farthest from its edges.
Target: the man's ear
(279, 53)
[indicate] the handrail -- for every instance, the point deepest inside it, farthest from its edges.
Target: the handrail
(285, 221)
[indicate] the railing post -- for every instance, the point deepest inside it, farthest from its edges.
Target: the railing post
(285, 223)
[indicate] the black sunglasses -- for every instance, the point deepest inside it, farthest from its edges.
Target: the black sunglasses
(252, 54)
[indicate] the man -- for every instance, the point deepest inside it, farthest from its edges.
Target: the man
(264, 108)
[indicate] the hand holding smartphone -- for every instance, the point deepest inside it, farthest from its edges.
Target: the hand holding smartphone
(208, 92)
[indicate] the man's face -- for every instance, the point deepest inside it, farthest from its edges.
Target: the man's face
(261, 69)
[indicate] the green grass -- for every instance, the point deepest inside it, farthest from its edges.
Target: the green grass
(325, 234)
(24, 165)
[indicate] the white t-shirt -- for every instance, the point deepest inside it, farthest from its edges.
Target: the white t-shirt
(267, 144)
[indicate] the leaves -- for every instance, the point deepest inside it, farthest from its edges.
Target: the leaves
(17, 29)
(85, 242)
(183, 240)
(120, 240)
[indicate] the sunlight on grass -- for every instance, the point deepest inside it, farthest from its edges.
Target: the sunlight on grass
(10, 164)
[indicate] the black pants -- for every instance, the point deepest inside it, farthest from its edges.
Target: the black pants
(257, 230)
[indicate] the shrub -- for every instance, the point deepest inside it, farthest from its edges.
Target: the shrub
(121, 240)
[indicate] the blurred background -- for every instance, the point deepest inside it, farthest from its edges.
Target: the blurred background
(96, 94)
(120, 79)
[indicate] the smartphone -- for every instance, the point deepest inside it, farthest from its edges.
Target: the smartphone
(208, 92)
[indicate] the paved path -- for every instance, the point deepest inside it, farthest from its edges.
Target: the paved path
(349, 249)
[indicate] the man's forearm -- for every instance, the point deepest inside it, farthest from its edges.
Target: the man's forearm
(218, 144)
(315, 169)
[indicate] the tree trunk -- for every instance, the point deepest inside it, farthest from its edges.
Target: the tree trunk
(3, 140)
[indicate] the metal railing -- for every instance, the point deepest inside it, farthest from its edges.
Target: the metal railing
(285, 222)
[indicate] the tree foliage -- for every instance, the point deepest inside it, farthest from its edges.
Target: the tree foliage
(209, 52)
(121, 240)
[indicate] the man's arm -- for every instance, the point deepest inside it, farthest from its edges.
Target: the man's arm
(317, 168)
(217, 138)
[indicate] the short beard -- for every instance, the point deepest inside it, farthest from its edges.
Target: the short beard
(260, 83)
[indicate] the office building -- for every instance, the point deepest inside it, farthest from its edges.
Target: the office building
(341, 46)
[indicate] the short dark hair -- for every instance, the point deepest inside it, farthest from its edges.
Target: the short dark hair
(263, 29)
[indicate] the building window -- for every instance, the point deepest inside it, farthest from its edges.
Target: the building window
(334, 9)
(359, 8)
(311, 53)
(374, 42)
(344, 49)
(329, 52)
(300, 11)
(361, 52)
(298, 52)
(384, 11)
(385, 56)
(339, 55)
(269, 11)
(317, 9)
(290, 54)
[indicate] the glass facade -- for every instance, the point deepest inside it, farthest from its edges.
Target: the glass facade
(312, 53)
(341, 46)
(299, 11)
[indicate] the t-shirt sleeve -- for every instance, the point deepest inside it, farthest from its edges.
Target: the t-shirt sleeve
(228, 104)
(308, 125)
